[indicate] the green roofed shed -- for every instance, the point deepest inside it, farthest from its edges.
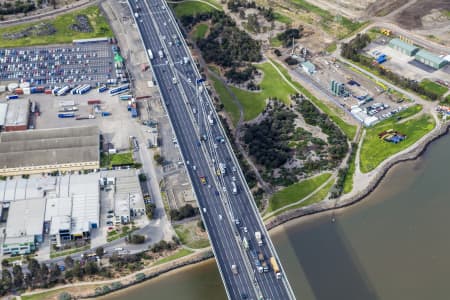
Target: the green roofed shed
(430, 59)
(403, 47)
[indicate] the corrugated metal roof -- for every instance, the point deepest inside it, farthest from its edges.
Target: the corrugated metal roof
(309, 66)
(17, 113)
(403, 45)
(3, 110)
(429, 56)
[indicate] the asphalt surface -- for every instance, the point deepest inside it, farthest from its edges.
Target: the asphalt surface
(188, 106)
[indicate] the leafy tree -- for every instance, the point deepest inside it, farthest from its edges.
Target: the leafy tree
(100, 251)
(68, 261)
(18, 276)
(54, 274)
(7, 281)
(91, 268)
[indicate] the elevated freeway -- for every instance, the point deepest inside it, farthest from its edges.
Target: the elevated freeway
(225, 201)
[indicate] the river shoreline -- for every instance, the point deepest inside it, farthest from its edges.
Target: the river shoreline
(274, 223)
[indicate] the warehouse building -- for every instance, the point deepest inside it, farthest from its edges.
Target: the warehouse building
(3, 110)
(403, 47)
(73, 208)
(17, 115)
(430, 59)
(24, 228)
(49, 150)
(65, 207)
(128, 197)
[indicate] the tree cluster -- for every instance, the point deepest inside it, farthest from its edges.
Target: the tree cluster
(150, 210)
(10, 8)
(337, 141)
(342, 174)
(268, 141)
(351, 49)
(227, 45)
(183, 212)
(289, 34)
(135, 238)
(163, 245)
(234, 5)
(237, 76)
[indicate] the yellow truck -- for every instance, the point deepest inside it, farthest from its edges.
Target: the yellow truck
(274, 264)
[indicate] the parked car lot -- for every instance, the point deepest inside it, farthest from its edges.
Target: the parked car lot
(56, 65)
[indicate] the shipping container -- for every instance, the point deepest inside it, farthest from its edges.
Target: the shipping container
(125, 97)
(18, 91)
(66, 115)
(91, 102)
(105, 113)
(11, 97)
(133, 112)
(102, 89)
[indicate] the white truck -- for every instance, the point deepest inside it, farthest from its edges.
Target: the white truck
(234, 188)
(161, 54)
(222, 168)
(210, 119)
(258, 238)
(150, 53)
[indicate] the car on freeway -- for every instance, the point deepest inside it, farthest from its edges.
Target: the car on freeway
(194, 167)
(203, 179)
(245, 229)
(110, 211)
(109, 216)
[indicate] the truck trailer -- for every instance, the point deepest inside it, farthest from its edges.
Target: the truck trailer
(258, 238)
(276, 270)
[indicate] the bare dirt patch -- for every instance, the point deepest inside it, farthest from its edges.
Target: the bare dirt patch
(411, 17)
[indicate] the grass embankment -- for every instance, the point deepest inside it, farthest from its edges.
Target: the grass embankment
(191, 235)
(272, 86)
(331, 47)
(180, 253)
(316, 197)
(446, 100)
(54, 254)
(227, 100)
(433, 87)
(200, 31)
(374, 150)
(44, 295)
(348, 181)
(282, 18)
(191, 8)
(64, 34)
(296, 192)
(332, 112)
(342, 26)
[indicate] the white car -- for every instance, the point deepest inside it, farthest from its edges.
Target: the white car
(245, 229)
(204, 209)
(194, 167)
(224, 188)
(220, 217)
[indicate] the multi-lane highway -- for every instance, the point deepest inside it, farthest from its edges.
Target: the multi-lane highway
(225, 202)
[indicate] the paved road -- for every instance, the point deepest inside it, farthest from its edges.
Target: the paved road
(188, 106)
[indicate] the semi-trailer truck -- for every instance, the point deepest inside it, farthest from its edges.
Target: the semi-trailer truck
(275, 268)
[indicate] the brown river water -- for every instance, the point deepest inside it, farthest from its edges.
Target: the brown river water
(394, 244)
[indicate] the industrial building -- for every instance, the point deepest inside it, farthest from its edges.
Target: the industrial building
(127, 194)
(430, 59)
(17, 115)
(24, 227)
(403, 47)
(64, 207)
(72, 208)
(3, 110)
(49, 150)
(308, 67)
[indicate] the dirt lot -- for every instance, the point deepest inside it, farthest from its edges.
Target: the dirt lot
(411, 17)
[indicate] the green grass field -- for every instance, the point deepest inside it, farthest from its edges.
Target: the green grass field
(317, 197)
(431, 86)
(64, 34)
(374, 150)
(191, 8)
(200, 31)
(332, 112)
(187, 233)
(119, 159)
(296, 192)
(180, 253)
(331, 47)
(282, 18)
(227, 100)
(272, 86)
